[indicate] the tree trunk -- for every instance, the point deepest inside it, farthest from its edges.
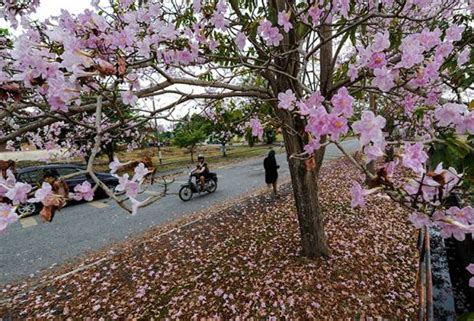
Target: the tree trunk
(250, 139)
(109, 150)
(224, 150)
(306, 193)
(192, 154)
(304, 173)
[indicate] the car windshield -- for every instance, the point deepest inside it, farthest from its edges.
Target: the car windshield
(32, 177)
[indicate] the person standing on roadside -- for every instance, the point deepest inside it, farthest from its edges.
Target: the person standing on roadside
(271, 171)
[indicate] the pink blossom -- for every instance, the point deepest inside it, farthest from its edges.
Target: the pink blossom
(414, 157)
(420, 220)
(344, 6)
(129, 98)
(240, 40)
(358, 195)
(432, 98)
(454, 33)
(429, 39)
(412, 52)
(451, 230)
(310, 104)
(130, 187)
(443, 50)
(373, 152)
(115, 165)
(383, 79)
(342, 102)
(470, 268)
(140, 172)
(257, 129)
(270, 34)
(364, 55)
(42, 193)
(314, 144)
(317, 122)
(284, 21)
(286, 100)
(451, 177)
(463, 215)
(370, 128)
(303, 108)
(219, 21)
(19, 193)
(427, 186)
(465, 124)
(449, 113)
(463, 56)
(381, 42)
(83, 191)
(336, 126)
(221, 6)
(314, 12)
(377, 60)
(408, 103)
(315, 99)
(7, 216)
(352, 72)
(213, 45)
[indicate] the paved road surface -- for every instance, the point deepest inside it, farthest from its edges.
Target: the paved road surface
(29, 245)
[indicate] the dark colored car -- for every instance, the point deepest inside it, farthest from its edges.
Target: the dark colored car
(34, 176)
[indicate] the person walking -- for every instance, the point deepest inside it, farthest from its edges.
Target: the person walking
(271, 171)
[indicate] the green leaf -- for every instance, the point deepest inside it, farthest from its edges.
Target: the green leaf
(353, 36)
(469, 316)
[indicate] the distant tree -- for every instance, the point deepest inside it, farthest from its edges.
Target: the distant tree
(226, 121)
(190, 131)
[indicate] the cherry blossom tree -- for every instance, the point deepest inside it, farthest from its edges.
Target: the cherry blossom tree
(314, 62)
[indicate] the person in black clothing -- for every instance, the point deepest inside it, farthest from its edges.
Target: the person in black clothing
(201, 171)
(271, 171)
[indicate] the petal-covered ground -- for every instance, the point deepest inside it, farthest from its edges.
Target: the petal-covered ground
(242, 260)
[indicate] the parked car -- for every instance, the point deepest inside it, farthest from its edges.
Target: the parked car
(34, 176)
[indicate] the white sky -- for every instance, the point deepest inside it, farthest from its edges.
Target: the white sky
(50, 8)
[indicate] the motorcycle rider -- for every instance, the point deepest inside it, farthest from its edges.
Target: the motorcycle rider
(201, 171)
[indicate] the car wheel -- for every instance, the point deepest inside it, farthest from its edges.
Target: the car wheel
(27, 209)
(185, 193)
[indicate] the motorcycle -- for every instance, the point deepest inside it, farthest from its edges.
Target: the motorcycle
(193, 186)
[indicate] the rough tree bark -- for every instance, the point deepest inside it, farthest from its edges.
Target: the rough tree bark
(305, 190)
(304, 178)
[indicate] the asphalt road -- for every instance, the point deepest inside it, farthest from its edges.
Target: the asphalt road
(29, 246)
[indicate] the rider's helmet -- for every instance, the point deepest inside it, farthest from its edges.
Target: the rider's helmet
(200, 157)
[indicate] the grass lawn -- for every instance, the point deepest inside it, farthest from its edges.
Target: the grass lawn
(174, 157)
